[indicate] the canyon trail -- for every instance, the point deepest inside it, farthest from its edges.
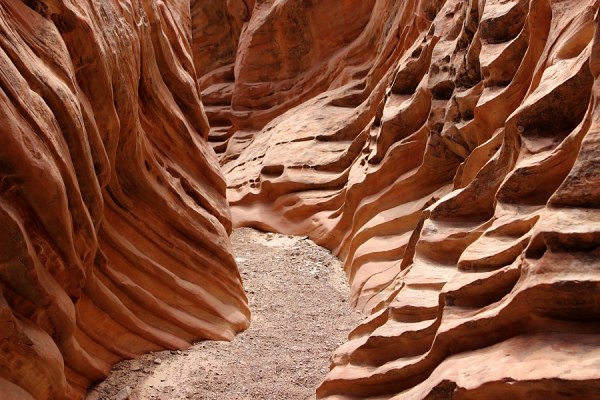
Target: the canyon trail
(297, 292)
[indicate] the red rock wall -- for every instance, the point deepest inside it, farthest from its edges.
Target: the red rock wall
(449, 152)
(113, 219)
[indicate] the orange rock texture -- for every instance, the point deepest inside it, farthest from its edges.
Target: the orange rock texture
(449, 152)
(113, 218)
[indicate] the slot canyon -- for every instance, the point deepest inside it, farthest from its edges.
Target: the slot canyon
(447, 152)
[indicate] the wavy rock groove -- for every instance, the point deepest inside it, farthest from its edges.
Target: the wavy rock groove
(448, 152)
(114, 224)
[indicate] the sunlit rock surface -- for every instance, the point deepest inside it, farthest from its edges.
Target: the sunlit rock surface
(449, 153)
(113, 219)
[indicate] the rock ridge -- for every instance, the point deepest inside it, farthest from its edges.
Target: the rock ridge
(447, 151)
(114, 222)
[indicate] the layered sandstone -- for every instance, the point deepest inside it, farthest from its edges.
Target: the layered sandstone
(113, 219)
(448, 151)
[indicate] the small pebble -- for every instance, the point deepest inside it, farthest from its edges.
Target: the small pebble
(135, 367)
(124, 393)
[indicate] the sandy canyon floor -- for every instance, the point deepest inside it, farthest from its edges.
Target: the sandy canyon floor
(300, 315)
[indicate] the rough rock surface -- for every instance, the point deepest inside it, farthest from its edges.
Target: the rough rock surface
(113, 219)
(448, 151)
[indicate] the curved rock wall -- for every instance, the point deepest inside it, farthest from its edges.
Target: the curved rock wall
(113, 219)
(449, 152)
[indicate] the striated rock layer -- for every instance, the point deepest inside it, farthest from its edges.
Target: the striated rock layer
(114, 223)
(449, 152)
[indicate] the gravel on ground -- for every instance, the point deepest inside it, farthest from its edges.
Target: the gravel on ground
(298, 296)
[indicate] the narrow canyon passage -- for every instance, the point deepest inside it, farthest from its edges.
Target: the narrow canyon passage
(447, 150)
(297, 293)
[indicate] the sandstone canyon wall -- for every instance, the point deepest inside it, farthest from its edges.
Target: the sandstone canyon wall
(113, 219)
(449, 152)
